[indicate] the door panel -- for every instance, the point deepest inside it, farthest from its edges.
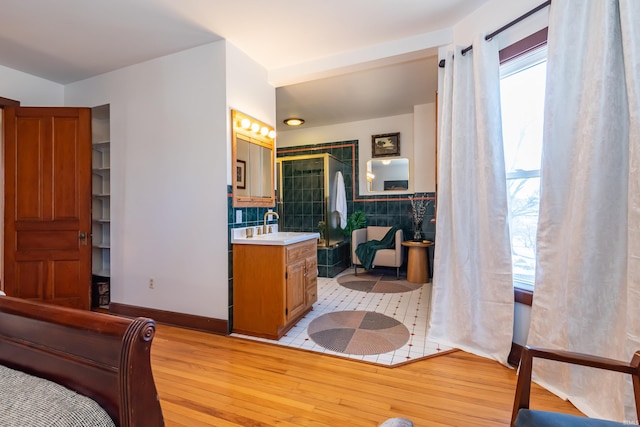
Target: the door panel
(48, 204)
(295, 289)
(29, 275)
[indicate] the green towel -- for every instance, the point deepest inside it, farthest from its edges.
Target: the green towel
(366, 251)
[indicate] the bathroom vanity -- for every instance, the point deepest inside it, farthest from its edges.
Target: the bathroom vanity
(274, 281)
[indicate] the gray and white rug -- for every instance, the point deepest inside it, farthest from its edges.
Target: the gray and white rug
(377, 283)
(358, 332)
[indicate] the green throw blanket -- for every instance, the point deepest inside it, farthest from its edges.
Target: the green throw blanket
(366, 251)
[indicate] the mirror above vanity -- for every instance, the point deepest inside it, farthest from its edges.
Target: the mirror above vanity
(253, 161)
(388, 175)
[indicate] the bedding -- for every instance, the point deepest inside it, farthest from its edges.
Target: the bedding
(36, 402)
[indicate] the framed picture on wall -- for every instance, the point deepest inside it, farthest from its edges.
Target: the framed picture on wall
(241, 174)
(385, 145)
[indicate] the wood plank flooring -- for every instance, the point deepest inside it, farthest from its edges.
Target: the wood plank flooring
(211, 380)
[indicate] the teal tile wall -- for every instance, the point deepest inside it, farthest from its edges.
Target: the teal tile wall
(303, 206)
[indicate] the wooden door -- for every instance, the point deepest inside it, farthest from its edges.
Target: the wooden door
(47, 205)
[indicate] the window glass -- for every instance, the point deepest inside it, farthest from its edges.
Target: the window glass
(522, 90)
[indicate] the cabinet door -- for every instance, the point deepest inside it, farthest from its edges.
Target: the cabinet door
(295, 288)
(311, 280)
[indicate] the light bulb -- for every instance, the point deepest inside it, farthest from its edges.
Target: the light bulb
(255, 127)
(272, 134)
(293, 121)
(245, 123)
(264, 131)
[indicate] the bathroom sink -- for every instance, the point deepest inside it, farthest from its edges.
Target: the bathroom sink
(276, 238)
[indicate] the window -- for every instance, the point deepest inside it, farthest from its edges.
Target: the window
(522, 88)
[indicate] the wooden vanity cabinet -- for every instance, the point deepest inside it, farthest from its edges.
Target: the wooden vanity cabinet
(273, 287)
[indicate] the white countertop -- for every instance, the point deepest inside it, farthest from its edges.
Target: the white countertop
(239, 237)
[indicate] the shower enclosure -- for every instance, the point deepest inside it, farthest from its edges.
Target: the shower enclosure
(309, 196)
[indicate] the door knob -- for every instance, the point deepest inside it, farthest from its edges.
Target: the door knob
(83, 238)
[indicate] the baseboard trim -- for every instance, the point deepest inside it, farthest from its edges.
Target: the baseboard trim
(189, 321)
(514, 354)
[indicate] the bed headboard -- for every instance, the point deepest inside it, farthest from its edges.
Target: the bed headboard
(104, 357)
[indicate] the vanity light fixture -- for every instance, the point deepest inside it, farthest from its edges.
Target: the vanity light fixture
(249, 125)
(293, 121)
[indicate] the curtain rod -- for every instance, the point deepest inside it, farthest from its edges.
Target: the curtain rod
(504, 27)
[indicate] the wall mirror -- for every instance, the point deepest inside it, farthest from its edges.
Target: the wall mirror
(388, 175)
(253, 161)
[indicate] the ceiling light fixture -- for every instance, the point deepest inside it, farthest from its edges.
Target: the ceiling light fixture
(293, 121)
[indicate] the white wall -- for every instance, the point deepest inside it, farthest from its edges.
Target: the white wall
(491, 16)
(30, 90)
(363, 130)
(248, 92)
(424, 147)
(169, 174)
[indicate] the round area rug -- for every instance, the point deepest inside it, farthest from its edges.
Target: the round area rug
(358, 332)
(377, 283)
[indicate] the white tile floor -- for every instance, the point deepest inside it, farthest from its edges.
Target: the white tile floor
(410, 308)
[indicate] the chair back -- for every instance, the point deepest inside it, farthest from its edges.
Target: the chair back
(375, 232)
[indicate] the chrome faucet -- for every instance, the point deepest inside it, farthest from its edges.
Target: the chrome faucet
(264, 226)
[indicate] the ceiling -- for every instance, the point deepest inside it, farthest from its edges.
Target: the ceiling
(379, 92)
(70, 40)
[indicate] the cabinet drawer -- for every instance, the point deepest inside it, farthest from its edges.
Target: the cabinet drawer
(301, 250)
(312, 264)
(311, 282)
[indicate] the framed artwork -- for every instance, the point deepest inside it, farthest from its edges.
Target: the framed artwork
(241, 174)
(385, 145)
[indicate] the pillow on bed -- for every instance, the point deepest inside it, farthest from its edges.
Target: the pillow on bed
(32, 401)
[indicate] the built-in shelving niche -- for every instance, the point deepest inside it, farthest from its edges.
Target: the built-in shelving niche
(101, 206)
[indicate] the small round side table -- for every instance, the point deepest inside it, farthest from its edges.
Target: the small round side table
(418, 261)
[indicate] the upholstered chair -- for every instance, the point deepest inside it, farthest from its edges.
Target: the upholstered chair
(384, 257)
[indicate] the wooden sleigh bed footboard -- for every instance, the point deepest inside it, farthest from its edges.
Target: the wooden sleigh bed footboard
(104, 357)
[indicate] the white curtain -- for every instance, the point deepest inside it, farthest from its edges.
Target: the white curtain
(472, 306)
(587, 293)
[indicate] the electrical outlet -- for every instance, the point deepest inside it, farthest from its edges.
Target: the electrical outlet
(150, 283)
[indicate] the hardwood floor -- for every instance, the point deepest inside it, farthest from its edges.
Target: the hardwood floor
(211, 380)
